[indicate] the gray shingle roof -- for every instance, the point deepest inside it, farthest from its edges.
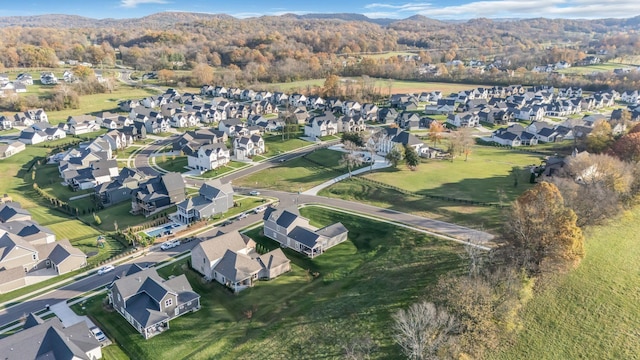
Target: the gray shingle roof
(237, 267)
(304, 236)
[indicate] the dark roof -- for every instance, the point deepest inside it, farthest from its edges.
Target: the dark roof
(9, 210)
(304, 236)
(332, 230)
(32, 320)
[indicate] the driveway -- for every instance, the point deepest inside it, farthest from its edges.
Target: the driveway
(67, 316)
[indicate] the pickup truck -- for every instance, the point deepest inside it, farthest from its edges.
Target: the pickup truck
(169, 244)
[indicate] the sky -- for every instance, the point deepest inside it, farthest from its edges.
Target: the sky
(437, 9)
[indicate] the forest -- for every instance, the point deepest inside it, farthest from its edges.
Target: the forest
(291, 47)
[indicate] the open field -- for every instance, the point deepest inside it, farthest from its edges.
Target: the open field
(397, 86)
(274, 145)
(583, 70)
(298, 174)
(172, 163)
(359, 284)
(592, 313)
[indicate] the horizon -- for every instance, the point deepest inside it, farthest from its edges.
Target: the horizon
(438, 9)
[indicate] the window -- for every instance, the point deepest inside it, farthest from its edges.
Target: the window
(35, 257)
(168, 302)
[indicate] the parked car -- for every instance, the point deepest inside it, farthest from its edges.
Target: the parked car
(227, 222)
(98, 334)
(169, 244)
(105, 269)
(254, 192)
(260, 209)
(242, 216)
(282, 160)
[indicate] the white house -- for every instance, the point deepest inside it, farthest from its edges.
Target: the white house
(246, 147)
(209, 157)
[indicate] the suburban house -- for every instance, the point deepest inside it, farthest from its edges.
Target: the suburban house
(230, 126)
(468, 119)
(514, 135)
(245, 147)
(321, 125)
(148, 302)
(158, 193)
(26, 247)
(209, 157)
(213, 198)
(31, 136)
(291, 230)
(120, 188)
(231, 260)
(395, 137)
(50, 339)
(10, 149)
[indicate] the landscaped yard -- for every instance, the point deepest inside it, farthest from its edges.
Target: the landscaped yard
(172, 163)
(344, 296)
(274, 145)
(592, 313)
(230, 166)
(298, 174)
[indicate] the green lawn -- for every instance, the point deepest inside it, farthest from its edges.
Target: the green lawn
(358, 285)
(118, 213)
(125, 153)
(583, 70)
(231, 166)
(298, 174)
(172, 163)
(48, 179)
(592, 313)
(274, 145)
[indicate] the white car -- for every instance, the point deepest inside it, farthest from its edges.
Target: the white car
(169, 244)
(254, 192)
(105, 269)
(242, 216)
(99, 335)
(260, 209)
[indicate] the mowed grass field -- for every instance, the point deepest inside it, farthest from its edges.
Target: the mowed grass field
(592, 313)
(582, 70)
(397, 86)
(347, 295)
(484, 177)
(298, 174)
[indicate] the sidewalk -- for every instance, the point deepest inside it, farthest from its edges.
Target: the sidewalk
(379, 163)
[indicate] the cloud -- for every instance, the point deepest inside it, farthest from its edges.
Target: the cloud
(135, 3)
(511, 9)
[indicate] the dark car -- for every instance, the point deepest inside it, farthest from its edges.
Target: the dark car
(227, 222)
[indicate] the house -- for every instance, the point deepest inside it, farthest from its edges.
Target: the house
(630, 97)
(387, 115)
(231, 260)
(25, 79)
(10, 149)
(321, 125)
(209, 157)
(157, 193)
(291, 230)
(394, 137)
(514, 135)
(213, 198)
(6, 123)
(148, 302)
(47, 78)
(30, 136)
(245, 147)
(230, 126)
(119, 189)
(62, 256)
(369, 112)
(50, 339)
(351, 124)
(463, 119)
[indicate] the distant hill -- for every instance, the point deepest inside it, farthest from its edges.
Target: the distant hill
(348, 17)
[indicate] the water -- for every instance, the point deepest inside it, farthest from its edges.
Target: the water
(163, 230)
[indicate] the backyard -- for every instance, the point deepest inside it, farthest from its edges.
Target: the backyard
(297, 174)
(172, 163)
(313, 311)
(274, 145)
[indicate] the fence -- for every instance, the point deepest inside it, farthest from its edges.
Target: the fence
(430, 196)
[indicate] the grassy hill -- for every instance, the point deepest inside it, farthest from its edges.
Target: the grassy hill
(593, 312)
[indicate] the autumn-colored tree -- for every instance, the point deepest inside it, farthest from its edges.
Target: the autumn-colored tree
(201, 74)
(166, 75)
(82, 72)
(627, 147)
(600, 137)
(461, 142)
(543, 232)
(331, 86)
(435, 132)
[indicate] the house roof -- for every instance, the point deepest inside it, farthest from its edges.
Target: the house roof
(273, 259)
(8, 242)
(32, 320)
(213, 189)
(332, 230)
(49, 340)
(60, 251)
(237, 267)
(304, 236)
(214, 248)
(9, 211)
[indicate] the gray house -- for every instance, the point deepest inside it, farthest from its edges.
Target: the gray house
(231, 260)
(214, 198)
(294, 231)
(51, 340)
(148, 302)
(120, 188)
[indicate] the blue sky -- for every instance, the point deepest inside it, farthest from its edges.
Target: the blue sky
(438, 9)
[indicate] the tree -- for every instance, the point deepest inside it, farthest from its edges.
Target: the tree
(543, 232)
(201, 74)
(461, 142)
(331, 86)
(166, 75)
(350, 159)
(411, 157)
(373, 144)
(600, 137)
(435, 132)
(422, 330)
(394, 156)
(627, 147)
(354, 137)
(82, 72)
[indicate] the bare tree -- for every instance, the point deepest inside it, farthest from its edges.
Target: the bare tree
(373, 144)
(350, 158)
(422, 329)
(359, 348)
